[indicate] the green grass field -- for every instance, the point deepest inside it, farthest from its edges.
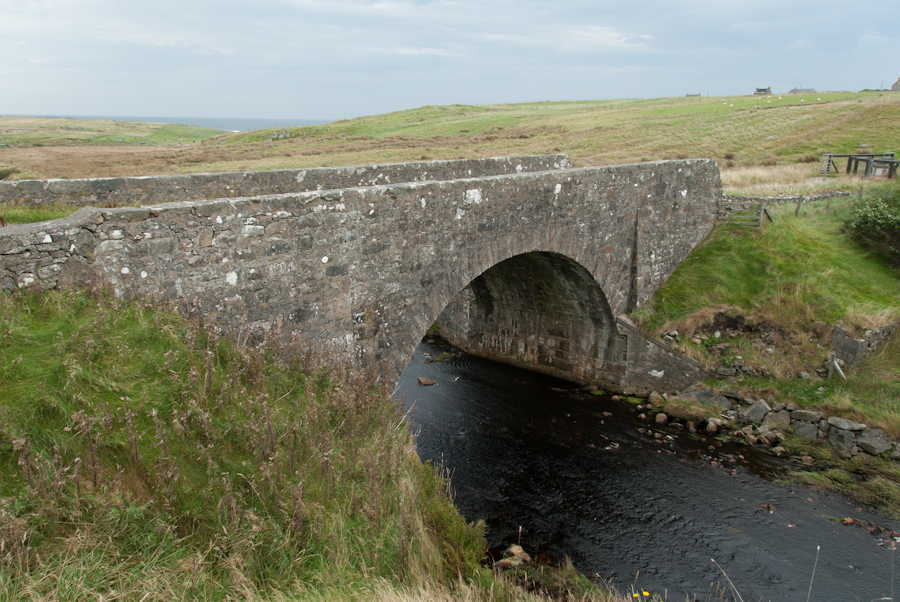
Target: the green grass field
(51, 131)
(785, 135)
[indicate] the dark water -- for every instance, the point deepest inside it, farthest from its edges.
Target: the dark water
(534, 452)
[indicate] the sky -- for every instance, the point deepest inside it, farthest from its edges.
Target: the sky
(334, 59)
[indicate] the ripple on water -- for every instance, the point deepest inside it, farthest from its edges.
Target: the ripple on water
(530, 451)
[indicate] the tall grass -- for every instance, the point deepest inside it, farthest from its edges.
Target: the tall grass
(780, 291)
(142, 459)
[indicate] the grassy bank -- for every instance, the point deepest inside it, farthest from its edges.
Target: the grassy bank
(774, 296)
(141, 459)
(781, 291)
(784, 135)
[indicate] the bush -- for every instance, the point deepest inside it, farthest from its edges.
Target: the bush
(876, 221)
(5, 172)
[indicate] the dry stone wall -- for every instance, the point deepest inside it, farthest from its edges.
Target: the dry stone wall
(366, 270)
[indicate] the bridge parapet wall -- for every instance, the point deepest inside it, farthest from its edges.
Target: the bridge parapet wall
(368, 270)
(148, 190)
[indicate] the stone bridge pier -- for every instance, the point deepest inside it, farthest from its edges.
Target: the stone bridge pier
(522, 259)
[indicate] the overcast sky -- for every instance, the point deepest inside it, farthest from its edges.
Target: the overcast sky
(330, 59)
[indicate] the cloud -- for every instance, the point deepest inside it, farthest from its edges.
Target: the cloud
(310, 58)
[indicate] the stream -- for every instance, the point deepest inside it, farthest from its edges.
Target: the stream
(570, 474)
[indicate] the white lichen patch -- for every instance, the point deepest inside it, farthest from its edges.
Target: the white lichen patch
(253, 231)
(473, 196)
(231, 278)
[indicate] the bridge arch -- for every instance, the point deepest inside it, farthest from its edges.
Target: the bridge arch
(362, 271)
(540, 310)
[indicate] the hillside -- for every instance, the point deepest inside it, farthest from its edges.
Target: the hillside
(783, 134)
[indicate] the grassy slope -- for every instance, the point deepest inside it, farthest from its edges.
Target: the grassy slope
(732, 130)
(782, 290)
(142, 460)
(50, 131)
(795, 280)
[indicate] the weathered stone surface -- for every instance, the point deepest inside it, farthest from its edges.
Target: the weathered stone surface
(656, 400)
(756, 412)
(847, 425)
(806, 416)
(710, 398)
(781, 418)
(147, 190)
(843, 441)
(847, 348)
(806, 431)
(874, 441)
(362, 272)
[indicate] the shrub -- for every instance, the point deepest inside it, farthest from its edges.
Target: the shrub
(5, 172)
(876, 221)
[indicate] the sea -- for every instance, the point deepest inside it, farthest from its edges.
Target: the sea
(228, 124)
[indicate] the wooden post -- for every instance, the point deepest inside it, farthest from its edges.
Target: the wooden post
(799, 202)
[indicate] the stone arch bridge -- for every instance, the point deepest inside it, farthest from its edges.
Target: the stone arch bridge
(521, 259)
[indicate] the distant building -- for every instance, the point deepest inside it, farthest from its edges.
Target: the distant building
(692, 95)
(896, 87)
(763, 91)
(802, 91)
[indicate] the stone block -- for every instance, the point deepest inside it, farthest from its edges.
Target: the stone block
(776, 419)
(756, 412)
(847, 348)
(806, 431)
(809, 416)
(874, 441)
(844, 424)
(843, 441)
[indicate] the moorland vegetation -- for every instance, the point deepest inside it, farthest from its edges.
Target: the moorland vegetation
(142, 458)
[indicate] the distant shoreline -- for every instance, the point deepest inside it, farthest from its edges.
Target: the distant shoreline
(228, 124)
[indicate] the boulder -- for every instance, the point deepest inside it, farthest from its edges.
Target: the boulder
(781, 418)
(874, 441)
(756, 412)
(806, 416)
(847, 348)
(656, 400)
(707, 397)
(518, 552)
(843, 441)
(725, 372)
(844, 424)
(806, 431)
(661, 418)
